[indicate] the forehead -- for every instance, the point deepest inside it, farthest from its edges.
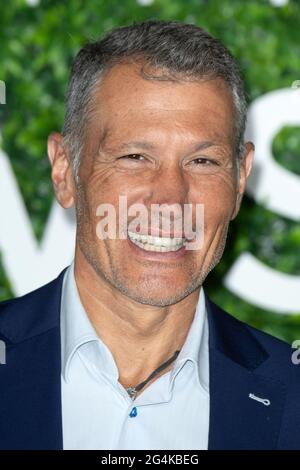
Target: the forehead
(127, 102)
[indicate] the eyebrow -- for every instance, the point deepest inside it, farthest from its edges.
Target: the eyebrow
(141, 144)
(148, 146)
(204, 145)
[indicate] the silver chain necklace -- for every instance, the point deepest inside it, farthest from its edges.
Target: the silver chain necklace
(132, 391)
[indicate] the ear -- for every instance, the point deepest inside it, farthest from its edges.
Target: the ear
(62, 175)
(244, 172)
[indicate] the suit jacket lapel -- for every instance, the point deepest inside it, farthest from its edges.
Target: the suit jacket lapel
(30, 397)
(238, 421)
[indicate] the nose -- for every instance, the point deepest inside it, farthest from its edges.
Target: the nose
(168, 186)
(168, 191)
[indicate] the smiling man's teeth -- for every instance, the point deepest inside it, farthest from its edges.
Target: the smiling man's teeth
(161, 244)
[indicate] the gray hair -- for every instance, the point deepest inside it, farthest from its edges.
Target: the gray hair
(182, 51)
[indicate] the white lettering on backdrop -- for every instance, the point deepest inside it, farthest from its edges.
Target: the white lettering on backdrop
(277, 189)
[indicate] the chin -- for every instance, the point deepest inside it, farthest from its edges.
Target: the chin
(156, 300)
(159, 295)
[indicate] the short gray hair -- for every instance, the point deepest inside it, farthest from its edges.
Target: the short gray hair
(184, 51)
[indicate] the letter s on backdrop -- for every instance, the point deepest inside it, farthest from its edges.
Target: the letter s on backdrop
(278, 190)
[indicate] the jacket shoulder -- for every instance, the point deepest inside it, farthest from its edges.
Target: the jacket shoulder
(268, 340)
(32, 313)
(250, 346)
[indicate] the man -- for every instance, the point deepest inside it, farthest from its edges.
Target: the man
(155, 115)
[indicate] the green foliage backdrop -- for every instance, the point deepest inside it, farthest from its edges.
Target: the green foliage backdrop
(38, 44)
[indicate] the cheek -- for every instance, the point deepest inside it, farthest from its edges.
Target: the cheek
(99, 189)
(219, 205)
(119, 193)
(218, 199)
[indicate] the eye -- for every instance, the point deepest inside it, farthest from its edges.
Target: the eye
(205, 166)
(133, 156)
(204, 161)
(133, 161)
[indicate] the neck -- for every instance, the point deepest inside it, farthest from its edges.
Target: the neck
(140, 337)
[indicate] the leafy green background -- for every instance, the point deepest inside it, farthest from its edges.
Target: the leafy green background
(38, 44)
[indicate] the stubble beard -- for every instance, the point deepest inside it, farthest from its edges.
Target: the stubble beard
(88, 247)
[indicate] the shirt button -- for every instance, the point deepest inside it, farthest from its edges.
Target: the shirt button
(133, 412)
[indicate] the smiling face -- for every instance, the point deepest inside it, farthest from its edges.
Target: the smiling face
(158, 142)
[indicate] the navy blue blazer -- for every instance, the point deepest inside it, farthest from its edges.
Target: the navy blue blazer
(243, 361)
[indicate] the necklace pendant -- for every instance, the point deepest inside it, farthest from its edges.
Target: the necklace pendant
(131, 392)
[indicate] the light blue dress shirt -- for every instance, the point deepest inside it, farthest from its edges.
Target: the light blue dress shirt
(170, 413)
